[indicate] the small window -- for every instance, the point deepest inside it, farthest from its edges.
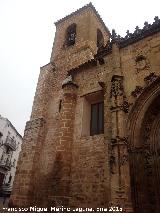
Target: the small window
(100, 39)
(70, 35)
(60, 105)
(92, 113)
(97, 118)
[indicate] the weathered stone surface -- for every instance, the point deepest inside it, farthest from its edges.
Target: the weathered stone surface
(60, 162)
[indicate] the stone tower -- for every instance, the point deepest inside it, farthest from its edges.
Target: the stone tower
(83, 24)
(96, 103)
(45, 165)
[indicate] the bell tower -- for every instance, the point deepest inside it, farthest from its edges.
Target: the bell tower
(45, 164)
(78, 37)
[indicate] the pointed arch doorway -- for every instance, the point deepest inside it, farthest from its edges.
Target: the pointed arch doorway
(144, 140)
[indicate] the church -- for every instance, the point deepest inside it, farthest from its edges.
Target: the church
(93, 138)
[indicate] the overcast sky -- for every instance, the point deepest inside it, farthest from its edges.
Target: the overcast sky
(26, 37)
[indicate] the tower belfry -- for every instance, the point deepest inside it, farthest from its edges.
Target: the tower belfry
(76, 37)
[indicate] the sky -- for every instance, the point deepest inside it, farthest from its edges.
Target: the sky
(26, 37)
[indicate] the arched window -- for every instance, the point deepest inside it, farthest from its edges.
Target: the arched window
(100, 39)
(70, 35)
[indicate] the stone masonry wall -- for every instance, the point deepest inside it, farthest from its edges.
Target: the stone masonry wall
(95, 171)
(90, 170)
(133, 73)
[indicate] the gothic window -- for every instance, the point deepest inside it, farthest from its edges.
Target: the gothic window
(97, 120)
(100, 39)
(70, 35)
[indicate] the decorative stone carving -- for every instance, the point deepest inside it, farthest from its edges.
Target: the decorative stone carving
(123, 159)
(137, 30)
(114, 35)
(141, 63)
(146, 25)
(156, 20)
(115, 38)
(67, 80)
(138, 90)
(150, 78)
(138, 34)
(123, 140)
(118, 90)
(128, 34)
(117, 86)
(130, 38)
(119, 140)
(101, 61)
(125, 107)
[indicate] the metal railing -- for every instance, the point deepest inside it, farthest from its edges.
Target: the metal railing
(5, 163)
(10, 142)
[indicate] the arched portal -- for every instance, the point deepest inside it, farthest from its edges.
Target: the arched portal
(144, 141)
